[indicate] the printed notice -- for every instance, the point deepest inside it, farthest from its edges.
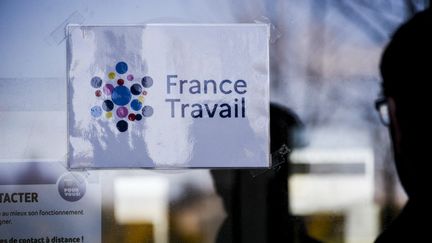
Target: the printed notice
(168, 96)
(43, 203)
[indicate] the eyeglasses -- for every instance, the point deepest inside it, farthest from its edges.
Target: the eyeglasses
(381, 106)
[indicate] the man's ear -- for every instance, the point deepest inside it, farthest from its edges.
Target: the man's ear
(395, 130)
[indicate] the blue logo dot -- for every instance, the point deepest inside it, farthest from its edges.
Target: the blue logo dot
(136, 89)
(121, 95)
(96, 82)
(147, 111)
(108, 105)
(96, 111)
(122, 126)
(121, 67)
(147, 82)
(136, 105)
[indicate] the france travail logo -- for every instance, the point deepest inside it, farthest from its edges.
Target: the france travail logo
(122, 97)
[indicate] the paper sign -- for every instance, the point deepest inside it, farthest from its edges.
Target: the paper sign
(43, 202)
(168, 96)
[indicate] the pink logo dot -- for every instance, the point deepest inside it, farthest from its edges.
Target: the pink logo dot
(122, 112)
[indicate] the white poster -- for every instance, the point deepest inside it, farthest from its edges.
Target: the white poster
(43, 202)
(168, 96)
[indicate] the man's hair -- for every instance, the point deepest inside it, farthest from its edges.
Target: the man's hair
(406, 65)
(285, 128)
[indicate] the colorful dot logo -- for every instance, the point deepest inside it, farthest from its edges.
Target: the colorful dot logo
(123, 97)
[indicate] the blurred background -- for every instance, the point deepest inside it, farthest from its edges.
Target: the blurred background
(324, 67)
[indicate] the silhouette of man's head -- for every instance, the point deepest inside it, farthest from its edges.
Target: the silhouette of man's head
(406, 71)
(285, 128)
